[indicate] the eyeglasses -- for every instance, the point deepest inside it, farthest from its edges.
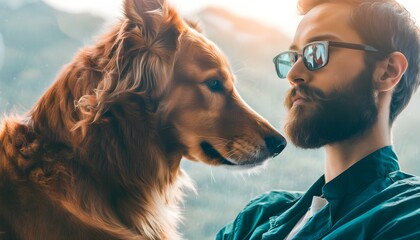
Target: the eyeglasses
(315, 55)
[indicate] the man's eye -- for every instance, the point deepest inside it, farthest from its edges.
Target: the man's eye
(214, 85)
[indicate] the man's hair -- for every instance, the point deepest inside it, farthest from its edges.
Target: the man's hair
(389, 27)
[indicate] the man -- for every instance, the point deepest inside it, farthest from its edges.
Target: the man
(347, 104)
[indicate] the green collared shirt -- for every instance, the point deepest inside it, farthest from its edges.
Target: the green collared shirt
(372, 199)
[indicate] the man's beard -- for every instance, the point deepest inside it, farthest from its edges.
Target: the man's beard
(342, 114)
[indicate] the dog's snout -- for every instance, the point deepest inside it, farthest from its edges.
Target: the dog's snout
(275, 144)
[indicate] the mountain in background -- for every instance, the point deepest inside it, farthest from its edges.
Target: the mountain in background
(13, 4)
(241, 37)
(38, 40)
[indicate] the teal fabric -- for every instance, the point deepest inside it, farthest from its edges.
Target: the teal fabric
(372, 199)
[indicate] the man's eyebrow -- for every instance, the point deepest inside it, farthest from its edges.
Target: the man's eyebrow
(293, 47)
(325, 37)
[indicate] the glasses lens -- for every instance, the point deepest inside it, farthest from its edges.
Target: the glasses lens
(284, 63)
(315, 56)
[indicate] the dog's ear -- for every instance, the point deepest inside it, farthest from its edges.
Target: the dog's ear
(160, 27)
(145, 13)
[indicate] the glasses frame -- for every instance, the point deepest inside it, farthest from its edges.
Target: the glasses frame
(326, 44)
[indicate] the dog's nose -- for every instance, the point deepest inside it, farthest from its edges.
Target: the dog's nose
(275, 144)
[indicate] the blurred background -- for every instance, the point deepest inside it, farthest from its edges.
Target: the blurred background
(38, 37)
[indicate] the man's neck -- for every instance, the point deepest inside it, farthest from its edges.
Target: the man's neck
(342, 155)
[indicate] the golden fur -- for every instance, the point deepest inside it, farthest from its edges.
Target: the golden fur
(98, 157)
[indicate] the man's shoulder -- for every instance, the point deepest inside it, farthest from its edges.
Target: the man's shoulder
(393, 213)
(401, 199)
(402, 189)
(277, 198)
(402, 181)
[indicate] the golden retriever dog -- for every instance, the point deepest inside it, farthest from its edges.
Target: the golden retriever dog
(98, 157)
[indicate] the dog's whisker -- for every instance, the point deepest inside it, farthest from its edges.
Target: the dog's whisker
(213, 179)
(214, 137)
(222, 143)
(239, 70)
(231, 153)
(238, 66)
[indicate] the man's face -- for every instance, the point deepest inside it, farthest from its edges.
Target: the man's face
(336, 102)
(332, 118)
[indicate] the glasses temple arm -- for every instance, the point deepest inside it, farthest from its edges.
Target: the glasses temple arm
(354, 46)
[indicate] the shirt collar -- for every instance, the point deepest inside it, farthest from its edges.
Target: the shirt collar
(376, 165)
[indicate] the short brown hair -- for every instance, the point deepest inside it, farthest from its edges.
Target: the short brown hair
(389, 27)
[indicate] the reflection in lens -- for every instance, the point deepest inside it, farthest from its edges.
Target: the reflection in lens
(284, 63)
(308, 57)
(314, 56)
(319, 56)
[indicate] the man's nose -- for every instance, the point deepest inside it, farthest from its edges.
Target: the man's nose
(297, 72)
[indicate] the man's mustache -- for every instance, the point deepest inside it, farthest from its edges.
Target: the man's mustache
(305, 92)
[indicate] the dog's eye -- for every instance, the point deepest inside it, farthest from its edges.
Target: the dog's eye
(214, 85)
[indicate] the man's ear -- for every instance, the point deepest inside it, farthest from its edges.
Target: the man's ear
(388, 72)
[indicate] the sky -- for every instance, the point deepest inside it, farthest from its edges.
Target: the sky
(280, 13)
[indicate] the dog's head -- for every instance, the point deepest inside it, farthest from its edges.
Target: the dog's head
(188, 86)
(212, 121)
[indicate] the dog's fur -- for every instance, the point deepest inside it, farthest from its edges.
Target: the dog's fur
(98, 157)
